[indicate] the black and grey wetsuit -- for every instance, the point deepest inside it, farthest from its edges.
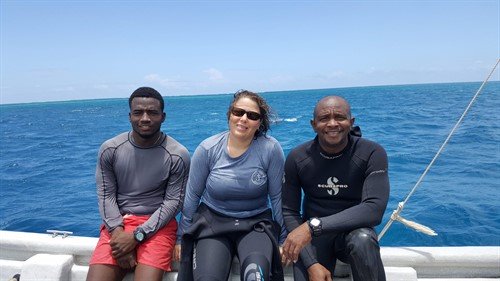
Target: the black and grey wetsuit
(348, 191)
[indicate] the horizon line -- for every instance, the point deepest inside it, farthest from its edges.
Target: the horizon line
(219, 94)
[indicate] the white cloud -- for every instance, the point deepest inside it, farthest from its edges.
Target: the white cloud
(169, 83)
(65, 89)
(281, 79)
(101, 87)
(214, 74)
(335, 75)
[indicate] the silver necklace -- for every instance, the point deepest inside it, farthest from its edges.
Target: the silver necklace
(330, 157)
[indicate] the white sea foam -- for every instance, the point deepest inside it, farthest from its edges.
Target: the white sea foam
(292, 119)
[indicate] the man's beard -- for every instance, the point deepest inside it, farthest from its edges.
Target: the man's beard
(149, 136)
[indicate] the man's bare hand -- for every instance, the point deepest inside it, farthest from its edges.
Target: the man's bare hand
(122, 243)
(284, 260)
(296, 241)
(128, 261)
(317, 272)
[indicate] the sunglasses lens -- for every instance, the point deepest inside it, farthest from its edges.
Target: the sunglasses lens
(253, 115)
(238, 112)
(250, 114)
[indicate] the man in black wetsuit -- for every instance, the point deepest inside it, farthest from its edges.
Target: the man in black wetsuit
(346, 188)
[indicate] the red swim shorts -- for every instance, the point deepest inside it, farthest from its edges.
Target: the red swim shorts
(156, 251)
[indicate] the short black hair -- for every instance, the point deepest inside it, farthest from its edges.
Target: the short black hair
(146, 92)
(339, 98)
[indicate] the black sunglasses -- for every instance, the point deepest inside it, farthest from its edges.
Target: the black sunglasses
(250, 114)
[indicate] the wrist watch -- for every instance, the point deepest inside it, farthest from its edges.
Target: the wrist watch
(315, 226)
(139, 235)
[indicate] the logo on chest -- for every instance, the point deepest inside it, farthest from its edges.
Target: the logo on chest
(331, 186)
(259, 177)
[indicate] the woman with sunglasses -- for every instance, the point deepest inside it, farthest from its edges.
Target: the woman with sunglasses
(233, 199)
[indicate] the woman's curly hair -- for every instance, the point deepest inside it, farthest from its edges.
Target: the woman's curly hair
(265, 110)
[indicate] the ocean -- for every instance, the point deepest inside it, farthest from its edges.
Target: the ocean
(48, 154)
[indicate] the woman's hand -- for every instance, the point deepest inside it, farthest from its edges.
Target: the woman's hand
(177, 252)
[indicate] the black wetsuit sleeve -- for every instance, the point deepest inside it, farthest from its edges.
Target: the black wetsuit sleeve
(291, 200)
(375, 195)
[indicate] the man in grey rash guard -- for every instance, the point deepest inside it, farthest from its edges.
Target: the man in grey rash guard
(346, 188)
(141, 178)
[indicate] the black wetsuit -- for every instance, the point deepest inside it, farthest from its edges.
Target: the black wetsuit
(349, 193)
(210, 243)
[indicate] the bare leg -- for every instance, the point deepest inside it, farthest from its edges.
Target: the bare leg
(99, 272)
(146, 272)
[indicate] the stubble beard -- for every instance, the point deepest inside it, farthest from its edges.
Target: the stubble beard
(148, 136)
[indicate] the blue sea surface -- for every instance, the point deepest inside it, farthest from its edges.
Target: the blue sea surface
(48, 154)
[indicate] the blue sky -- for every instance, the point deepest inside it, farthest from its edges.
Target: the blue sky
(65, 50)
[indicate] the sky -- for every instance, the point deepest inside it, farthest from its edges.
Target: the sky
(73, 50)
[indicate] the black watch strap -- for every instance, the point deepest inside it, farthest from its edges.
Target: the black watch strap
(315, 225)
(139, 235)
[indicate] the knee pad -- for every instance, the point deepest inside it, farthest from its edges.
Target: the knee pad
(364, 254)
(362, 238)
(361, 235)
(255, 268)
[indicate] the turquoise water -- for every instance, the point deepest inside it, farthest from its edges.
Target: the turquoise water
(48, 154)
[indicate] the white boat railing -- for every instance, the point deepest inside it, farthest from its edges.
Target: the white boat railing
(39, 256)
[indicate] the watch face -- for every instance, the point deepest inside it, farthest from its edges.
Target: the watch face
(139, 236)
(315, 222)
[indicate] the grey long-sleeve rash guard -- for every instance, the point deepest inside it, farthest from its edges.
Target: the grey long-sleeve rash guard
(238, 187)
(141, 181)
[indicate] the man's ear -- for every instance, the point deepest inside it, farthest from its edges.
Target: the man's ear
(164, 117)
(313, 124)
